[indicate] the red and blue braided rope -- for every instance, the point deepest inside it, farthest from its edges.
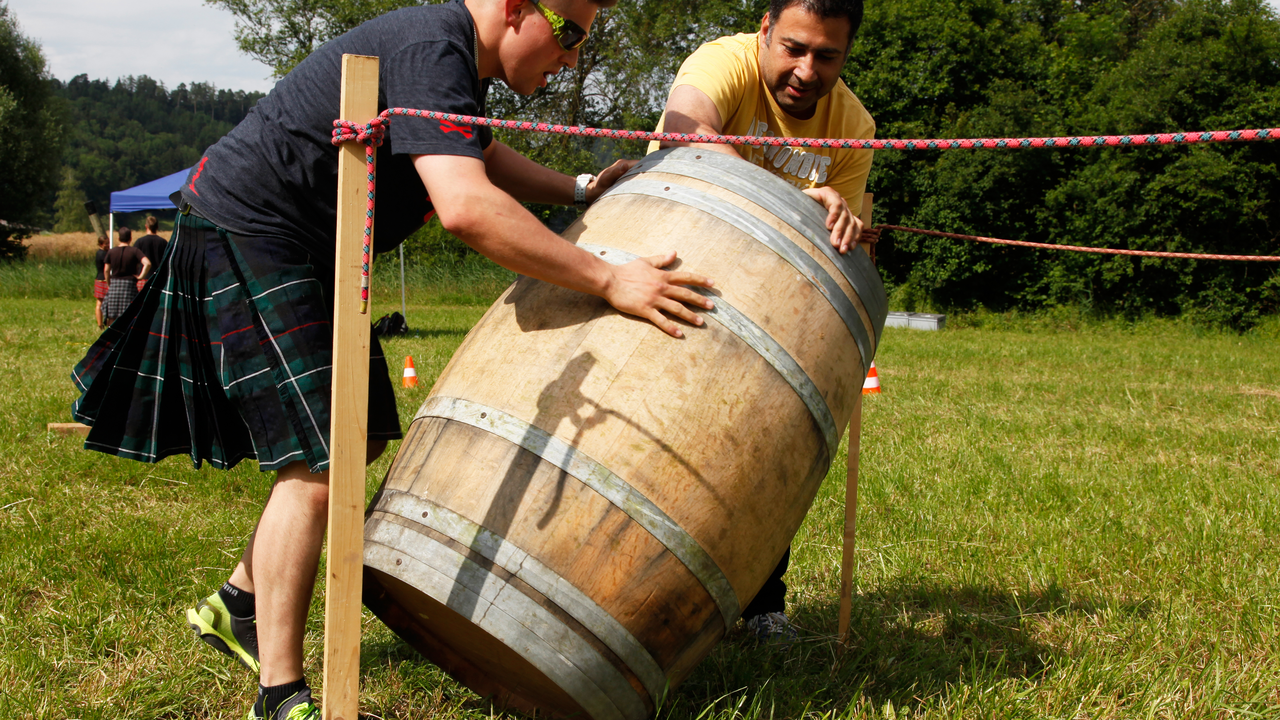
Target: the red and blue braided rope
(1179, 138)
(372, 133)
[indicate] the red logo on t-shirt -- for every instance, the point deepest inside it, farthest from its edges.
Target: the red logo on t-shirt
(448, 127)
(196, 177)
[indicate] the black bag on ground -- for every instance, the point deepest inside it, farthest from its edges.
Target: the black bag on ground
(393, 324)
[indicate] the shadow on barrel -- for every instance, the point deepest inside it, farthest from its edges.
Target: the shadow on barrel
(560, 399)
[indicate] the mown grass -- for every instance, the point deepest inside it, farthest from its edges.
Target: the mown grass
(1060, 517)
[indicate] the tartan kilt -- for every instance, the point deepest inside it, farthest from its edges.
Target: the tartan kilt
(225, 356)
(120, 294)
(100, 289)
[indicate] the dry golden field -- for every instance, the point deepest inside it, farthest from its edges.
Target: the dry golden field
(69, 246)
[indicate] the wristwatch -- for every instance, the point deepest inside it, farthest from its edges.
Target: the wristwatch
(580, 189)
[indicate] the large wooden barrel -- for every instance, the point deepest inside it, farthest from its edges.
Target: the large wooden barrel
(583, 505)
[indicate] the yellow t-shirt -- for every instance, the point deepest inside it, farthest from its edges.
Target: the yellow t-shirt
(728, 71)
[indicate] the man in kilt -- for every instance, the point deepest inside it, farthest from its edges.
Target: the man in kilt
(226, 355)
(125, 268)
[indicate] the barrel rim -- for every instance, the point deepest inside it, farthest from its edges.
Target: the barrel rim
(515, 560)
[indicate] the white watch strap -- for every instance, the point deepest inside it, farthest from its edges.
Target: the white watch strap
(580, 189)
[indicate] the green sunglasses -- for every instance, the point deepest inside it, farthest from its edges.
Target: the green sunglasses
(568, 33)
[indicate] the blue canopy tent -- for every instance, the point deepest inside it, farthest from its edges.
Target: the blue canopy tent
(152, 195)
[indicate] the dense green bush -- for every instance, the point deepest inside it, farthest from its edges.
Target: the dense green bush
(965, 68)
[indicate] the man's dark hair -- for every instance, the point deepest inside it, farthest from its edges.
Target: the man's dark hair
(126, 235)
(850, 10)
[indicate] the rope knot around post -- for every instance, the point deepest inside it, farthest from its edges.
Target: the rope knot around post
(371, 135)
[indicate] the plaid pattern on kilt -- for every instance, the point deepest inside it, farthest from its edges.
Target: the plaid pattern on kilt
(100, 289)
(120, 293)
(225, 356)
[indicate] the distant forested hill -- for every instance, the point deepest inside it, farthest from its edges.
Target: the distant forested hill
(135, 130)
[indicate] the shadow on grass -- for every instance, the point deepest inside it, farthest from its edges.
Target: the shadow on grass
(910, 643)
(429, 333)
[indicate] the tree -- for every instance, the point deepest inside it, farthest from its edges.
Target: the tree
(282, 33)
(30, 137)
(69, 214)
(134, 130)
(965, 68)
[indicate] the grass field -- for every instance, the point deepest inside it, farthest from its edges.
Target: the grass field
(1059, 518)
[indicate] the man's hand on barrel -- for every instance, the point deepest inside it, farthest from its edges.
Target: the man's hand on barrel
(642, 288)
(607, 178)
(845, 227)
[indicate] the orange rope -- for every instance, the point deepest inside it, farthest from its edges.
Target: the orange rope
(1082, 248)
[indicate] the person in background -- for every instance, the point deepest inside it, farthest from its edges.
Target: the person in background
(100, 284)
(151, 245)
(783, 81)
(124, 266)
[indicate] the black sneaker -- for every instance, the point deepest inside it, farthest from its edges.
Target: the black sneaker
(298, 707)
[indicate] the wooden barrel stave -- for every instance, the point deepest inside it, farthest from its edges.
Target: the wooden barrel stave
(635, 402)
(585, 541)
(695, 434)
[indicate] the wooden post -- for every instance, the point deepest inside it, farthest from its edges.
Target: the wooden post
(865, 216)
(348, 431)
(851, 479)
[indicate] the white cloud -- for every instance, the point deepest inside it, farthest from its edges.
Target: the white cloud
(173, 41)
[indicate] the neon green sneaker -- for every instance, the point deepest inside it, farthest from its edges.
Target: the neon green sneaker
(297, 707)
(229, 635)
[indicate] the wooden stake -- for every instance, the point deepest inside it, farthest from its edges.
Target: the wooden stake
(348, 431)
(851, 480)
(865, 216)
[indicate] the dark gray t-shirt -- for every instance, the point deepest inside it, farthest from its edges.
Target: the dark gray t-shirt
(153, 247)
(276, 173)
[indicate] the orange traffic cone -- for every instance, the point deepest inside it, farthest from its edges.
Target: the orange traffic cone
(410, 372)
(871, 386)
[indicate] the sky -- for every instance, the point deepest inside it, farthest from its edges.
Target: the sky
(173, 41)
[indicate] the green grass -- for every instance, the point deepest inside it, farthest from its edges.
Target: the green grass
(1059, 517)
(47, 280)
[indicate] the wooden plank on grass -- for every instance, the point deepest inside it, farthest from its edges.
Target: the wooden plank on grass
(68, 428)
(348, 431)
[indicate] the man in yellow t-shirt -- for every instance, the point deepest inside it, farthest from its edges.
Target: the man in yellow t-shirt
(783, 81)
